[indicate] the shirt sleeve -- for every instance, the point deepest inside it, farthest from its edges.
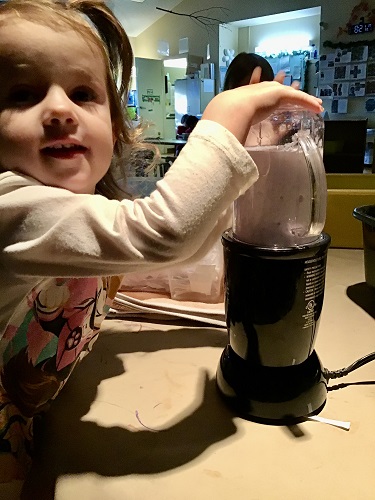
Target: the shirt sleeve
(47, 231)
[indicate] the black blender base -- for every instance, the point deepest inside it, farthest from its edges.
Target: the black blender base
(272, 395)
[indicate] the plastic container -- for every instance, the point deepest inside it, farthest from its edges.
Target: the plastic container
(201, 281)
(366, 215)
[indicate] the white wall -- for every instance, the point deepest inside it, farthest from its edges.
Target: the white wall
(171, 28)
(308, 25)
(228, 39)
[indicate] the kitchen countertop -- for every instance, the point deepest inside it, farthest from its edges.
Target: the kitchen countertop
(141, 417)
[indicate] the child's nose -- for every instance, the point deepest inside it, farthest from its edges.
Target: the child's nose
(58, 108)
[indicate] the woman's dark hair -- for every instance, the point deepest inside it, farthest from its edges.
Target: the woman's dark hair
(241, 68)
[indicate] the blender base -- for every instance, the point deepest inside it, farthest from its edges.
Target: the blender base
(272, 395)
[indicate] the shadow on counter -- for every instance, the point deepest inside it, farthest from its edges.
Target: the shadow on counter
(364, 296)
(66, 444)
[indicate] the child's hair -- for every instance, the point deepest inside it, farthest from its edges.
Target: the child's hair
(95, 21)
(241, 68)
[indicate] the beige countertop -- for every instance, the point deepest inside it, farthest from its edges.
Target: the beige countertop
(141, 417)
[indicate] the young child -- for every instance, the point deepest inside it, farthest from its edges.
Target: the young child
(67, 233)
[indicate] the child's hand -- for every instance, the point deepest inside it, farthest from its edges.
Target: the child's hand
(244, 106)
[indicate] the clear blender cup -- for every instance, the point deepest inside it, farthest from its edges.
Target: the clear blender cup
(286, 207)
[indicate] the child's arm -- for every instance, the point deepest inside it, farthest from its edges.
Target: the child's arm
(63, 233)
(239, 108)
(84, 235)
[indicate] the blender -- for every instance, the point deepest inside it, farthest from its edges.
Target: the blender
(275, 264)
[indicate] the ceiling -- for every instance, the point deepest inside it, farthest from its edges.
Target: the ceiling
(136, 16)
(274, 18)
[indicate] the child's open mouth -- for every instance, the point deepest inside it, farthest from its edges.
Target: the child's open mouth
(64, 151)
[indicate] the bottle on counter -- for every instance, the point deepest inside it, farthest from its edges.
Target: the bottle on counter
(313, 52)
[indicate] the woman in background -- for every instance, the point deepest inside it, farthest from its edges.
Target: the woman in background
(241, 71)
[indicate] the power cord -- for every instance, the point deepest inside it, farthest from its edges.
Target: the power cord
(327, 374)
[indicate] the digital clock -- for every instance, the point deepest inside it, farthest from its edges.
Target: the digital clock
(362, 27)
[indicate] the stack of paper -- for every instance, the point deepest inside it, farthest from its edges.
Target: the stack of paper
(159, 308)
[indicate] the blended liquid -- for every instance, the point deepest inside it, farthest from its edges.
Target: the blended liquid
(276, 210)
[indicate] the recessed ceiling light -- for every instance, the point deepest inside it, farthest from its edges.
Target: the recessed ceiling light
(140, 1)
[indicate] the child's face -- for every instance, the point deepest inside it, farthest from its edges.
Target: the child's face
(55, 122)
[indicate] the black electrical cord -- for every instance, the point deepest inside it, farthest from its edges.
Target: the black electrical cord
(327, 374)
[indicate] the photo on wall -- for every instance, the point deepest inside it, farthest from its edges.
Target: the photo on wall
(285, 64)
(340, 89)
(325, 91)
(343, 56)
(371, 69)
(327, 61)
(370, 105)
(357, 71)
(327, 76)
(339, 106)
(357, 89)
(345, 74)
(370, 87)
(336, 89)
(371, 53)
(359, 53)
(341, 72)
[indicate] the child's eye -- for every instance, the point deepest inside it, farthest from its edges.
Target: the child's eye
(83, 95)
(23, 96)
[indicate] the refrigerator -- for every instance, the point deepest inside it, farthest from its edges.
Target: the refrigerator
(191, 96)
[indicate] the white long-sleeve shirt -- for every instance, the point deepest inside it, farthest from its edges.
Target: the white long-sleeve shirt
(50, 232)
(62, 255)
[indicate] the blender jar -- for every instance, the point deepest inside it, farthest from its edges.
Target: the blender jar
(286, 207)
